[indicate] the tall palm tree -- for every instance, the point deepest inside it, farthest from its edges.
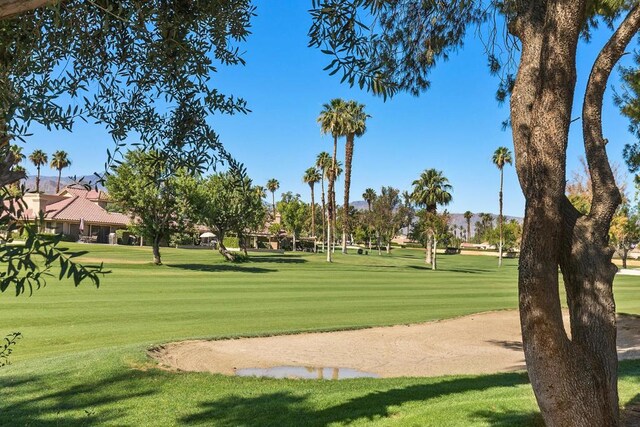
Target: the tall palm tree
(16, 154)
(332, 122)
(355, 126)
(38, 158)
(260, 191)
(323, 163)
(369, 195)
(430, 190)
(311, 177)
(501, 157)
(468, 215)
(272, 186)
(59, 161)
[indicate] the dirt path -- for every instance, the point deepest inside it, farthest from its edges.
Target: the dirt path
(475, 344)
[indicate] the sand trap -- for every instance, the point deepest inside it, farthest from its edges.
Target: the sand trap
(475, 344)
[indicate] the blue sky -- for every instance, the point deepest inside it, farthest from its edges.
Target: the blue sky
(454, 127)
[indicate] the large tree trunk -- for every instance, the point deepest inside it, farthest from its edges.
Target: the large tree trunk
(379, 248)
(10, 8)
(574, 380)
(155, 246)
(500, 219)
(348, 158)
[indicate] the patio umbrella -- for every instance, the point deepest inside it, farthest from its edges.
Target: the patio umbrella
(208, 234)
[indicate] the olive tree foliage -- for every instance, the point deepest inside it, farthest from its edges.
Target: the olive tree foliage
(225, 202)
(141, 70)
(388, 46)
(157, 211)
(295, 214)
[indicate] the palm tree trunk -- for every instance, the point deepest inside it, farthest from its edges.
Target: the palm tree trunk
(334, 177)
(348, 158)
(38, 180)
(313, 212)
(500, 219)
(58, 183)
(324, 210)
(378, 238)
(273, 204)
(429, 249)
(294, 241)
(434, 258)
(468, 236)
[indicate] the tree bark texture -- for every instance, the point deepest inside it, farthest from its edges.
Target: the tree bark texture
(156, 250)
(348, 158)
(10, 8)
(574, 379)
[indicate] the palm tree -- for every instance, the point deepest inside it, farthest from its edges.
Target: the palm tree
(60, 161)
(260, 191)
(311, 177)
(468, 215)
(332, 121)
(430, 190)
(16, 154)
(369, 195)
(272, 186)
(355, 125)
(501, 156)
(38, 158)
(323, 163)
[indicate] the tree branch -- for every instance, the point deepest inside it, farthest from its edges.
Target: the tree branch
(10, 8)
(606, 196)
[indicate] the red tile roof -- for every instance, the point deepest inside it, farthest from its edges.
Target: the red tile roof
(76, 208)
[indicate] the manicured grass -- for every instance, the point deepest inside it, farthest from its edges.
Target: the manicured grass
(82, 358)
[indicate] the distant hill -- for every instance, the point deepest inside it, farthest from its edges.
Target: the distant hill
(48, 183)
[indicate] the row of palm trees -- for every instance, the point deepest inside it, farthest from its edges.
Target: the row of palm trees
(59, 161)
(340, 118)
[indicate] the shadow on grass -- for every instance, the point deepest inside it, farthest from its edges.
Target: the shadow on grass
(286, 408)
(289, 259)
(631, 413)
(85, 404)
(510, 418)
(236, 268)
(452, 270)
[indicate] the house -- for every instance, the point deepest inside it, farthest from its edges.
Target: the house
(77, 212)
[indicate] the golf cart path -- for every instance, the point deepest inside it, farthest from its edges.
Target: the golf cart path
(475, 344)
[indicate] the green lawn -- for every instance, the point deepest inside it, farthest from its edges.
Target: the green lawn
(82, 358)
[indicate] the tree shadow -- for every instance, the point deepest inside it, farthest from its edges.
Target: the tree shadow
(289, 259)
(286, 408)
(631, 413)
(510, 418)
(213, 268)
(511, 345)
(88, 403)
(451, 270)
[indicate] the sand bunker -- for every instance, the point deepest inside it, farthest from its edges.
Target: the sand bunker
(475, 344)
